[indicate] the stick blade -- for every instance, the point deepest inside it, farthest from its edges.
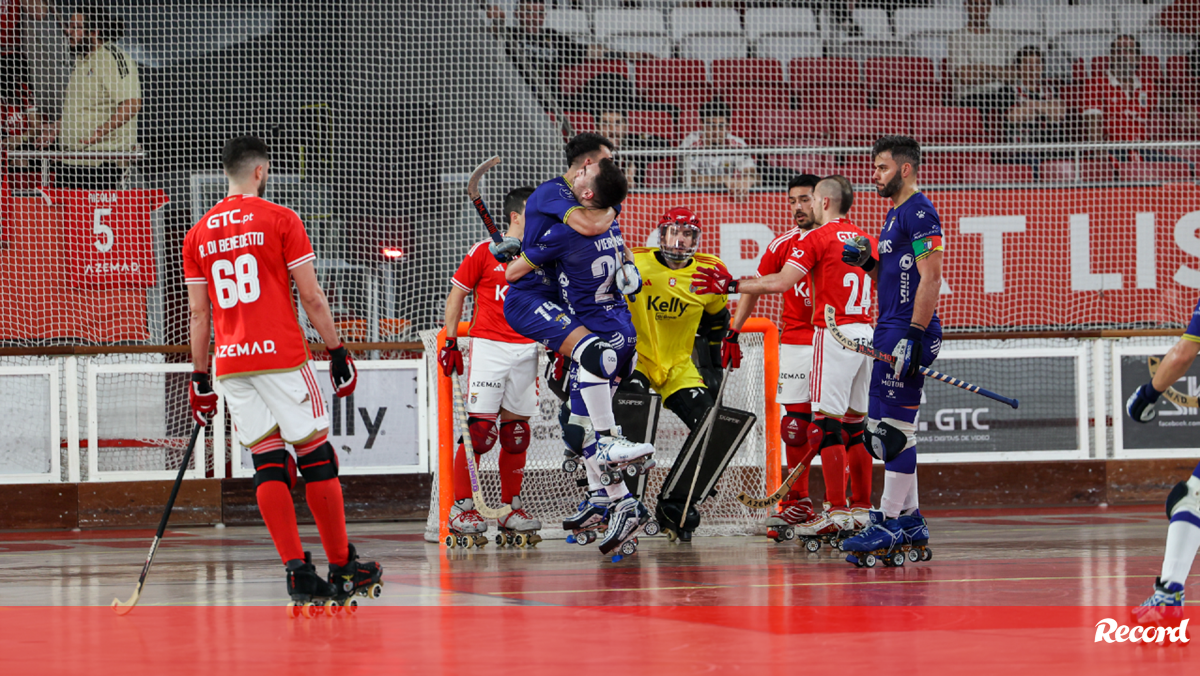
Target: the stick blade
(477, 175)
(123, 608)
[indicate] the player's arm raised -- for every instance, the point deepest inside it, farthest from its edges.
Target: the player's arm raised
(718, 280)
(591, 222)
(316, 308)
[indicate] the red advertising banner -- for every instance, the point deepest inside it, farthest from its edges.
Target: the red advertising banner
(108, 235)
(1014, 258)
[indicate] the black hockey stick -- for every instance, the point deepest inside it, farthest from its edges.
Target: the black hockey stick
(831, 323)
(477, 198)
(705, 433)
(124, 607)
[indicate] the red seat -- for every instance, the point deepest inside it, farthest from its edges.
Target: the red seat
(908, 70)
(832, 97)
(793, 128)
(737, 72)
(947, 126)
(580, 120)
(998, 174)
(659, 174)
(808, 71)
(820, 165)
(763, 97)
(907, 96)
(1153, 172)
(1149, 69)
(684, 98)
(572, 79)
(659, 73)
(654, 122)
(863, 127)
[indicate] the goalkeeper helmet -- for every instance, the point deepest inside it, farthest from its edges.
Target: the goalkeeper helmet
(678, 234)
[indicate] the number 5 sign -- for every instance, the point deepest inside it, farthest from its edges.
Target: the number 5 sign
(108, 235)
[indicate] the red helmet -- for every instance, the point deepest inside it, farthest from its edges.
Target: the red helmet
(681, 220)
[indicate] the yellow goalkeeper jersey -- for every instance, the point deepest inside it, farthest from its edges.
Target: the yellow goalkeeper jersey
(667, 313)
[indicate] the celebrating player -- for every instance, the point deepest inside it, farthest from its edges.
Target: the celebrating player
(242, 258)
(501, 379)
(909, 277)
(795, 353)
(669, 319)
(838, 387)
(1183, 503)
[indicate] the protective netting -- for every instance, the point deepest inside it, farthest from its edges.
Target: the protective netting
(551, 495)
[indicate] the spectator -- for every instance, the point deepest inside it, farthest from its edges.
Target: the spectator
(1120, 105)
(978, 58)
(736, 172)
(840, 15)
(538, 52)
(1037, 114)
(613, 123)
(102, 102)
(12, 57)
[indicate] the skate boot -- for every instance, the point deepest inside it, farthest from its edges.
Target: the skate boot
(1163, 608)
(782, 525)
(821, 529)
(668, 514)
(619, 457)
(310, 594)
(467, 526)
(518, 527)
(626, 518)
(862, 517)
(590, 520)
(356, 578)
(882, 540)
(916, 536)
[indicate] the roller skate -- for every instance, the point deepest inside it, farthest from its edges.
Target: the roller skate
(782, 525)
(626, 518)
(916, 536)
(1163, 608)
(619, 458)
(667, 515)
(862, 517)
(883, 541)
(828, 527)
(310, 594)
(518, 527)
(356, 578)
(592, 519)
(467, 526)
(575, 429)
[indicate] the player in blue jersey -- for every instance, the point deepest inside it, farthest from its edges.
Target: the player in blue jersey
(908, 278)
(1183, 503)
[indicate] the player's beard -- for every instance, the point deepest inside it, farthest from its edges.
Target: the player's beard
(803, 221)
(891, 187)
(262, 188)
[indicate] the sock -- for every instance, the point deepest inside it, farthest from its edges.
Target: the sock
(833, 467)
(597, 398)
(329, 511)
(1183, 539)
(896, 488)
(617, 491)
(462, 475)
(592, 469)
(860, 462)
(512, 472)
(279, 513)
(910, 501)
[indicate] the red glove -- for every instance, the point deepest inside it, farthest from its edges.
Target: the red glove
(450, 358)
(202, 398)
(731, 352)
(713, 280)
(342, 373)
(558, 366)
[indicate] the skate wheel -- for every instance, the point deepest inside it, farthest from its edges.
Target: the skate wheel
(350, 605)
(569, 466)
(870, 561)
(606, 479)
(521, 540)
(331, 607)
(376, 590)
(631, 471)
(591, 536)
(293, 610)
(671, 535)
(449, 542)
(499, 540)
(309, 610)
(914, 555)
(629, 547)
(812, 545)
(651, 528)
(898, 559)
(789, 533)
(926, 554)
(583, 539)
(460, 541)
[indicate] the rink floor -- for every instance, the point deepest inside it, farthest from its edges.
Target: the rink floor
(213, 587)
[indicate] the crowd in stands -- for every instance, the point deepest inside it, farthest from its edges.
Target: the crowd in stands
(752, 76)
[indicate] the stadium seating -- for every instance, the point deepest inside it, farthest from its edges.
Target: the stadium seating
(1153, 172)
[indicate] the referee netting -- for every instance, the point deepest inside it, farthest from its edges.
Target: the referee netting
(550, 494)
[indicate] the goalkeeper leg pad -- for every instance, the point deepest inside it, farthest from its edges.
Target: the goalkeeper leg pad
(691, 405)
(637, 414)
(729, 429)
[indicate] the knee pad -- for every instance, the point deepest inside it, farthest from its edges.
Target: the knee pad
(691, 405)
(855, 432)
(831, 429)
(274, 466)
(514, 436)
(483, 434)
(1185, 496)
(319, 465)
(596, 358)
(886, 440)
(793, 427)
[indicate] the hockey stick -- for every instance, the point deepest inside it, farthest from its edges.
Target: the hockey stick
(763, 503)
(124, 607)
(477, 198)
(702, 439)
(1173, 395)
(831, 323)
(460, 417)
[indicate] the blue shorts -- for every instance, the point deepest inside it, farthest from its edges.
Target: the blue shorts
(538, 317)
(888, 390)
(624, 342)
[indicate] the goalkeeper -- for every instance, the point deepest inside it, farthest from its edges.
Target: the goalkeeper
(671, 321)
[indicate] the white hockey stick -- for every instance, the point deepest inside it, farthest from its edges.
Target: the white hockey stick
(774, 498)
(460, 418)
(702, 439)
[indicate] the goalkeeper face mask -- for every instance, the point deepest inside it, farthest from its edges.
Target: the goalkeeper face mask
(678, 234)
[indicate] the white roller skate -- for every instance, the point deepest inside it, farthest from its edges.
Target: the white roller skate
(862, 517)
(590, 519)
(823, 529)
(518, 527)
(626, 518)
(467, 526)
(782, 525)
(619, 457)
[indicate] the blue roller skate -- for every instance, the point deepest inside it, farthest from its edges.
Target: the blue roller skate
(882, 540)
(1164, 607)
(916, 536)
(586, 524)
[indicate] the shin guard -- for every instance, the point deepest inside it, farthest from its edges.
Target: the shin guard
(324, 494)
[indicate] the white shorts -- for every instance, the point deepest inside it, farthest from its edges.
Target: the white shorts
(841, 379)
(795, 364)
(290, 401)
(502, 375)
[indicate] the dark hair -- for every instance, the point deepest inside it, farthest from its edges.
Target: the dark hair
(1112, 47)
(715, 107)
(846, 190)
(809, 181)
(98, 20)
(904, 149)
(610, 187)
(1027, 51)
(241, 149)
(515, 200)
(585, 144)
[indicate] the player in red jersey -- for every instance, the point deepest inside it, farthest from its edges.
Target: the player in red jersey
(795, 351)
(501, 381)
(840, 378)
(239, 263)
